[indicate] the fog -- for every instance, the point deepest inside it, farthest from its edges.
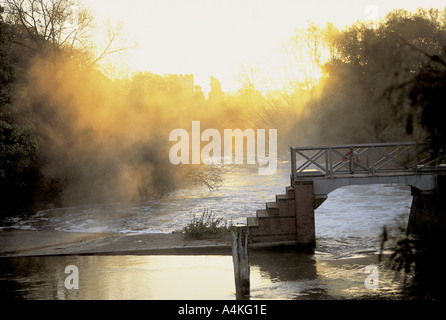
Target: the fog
(85, 137)
(108, 141)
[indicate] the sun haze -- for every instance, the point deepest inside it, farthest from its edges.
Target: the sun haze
(220, 38)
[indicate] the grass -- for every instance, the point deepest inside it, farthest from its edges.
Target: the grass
(206, 226)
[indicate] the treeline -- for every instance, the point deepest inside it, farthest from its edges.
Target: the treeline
(365, 98)
(382, 81)
(69, 134)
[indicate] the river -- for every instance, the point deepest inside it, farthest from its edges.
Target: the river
(348, 226)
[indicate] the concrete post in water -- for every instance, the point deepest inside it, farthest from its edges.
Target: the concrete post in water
(240, 260)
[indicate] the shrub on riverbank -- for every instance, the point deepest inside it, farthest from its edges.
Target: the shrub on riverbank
(206, 226)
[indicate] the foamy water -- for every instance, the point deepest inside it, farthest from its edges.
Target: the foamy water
(350, 220)
(348, 226)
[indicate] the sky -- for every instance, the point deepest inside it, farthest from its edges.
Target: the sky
(222, 37)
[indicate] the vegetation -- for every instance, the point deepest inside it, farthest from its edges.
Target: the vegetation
(416, 256)
(351, 103)
(70, 134)
(426, 91)
(422, 96)
(206, 226)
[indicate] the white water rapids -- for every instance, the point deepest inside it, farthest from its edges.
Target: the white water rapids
(349, 221)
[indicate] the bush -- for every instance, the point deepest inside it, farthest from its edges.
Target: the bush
(206, 226)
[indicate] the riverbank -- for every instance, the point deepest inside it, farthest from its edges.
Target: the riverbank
(23, 243)
(39, 243)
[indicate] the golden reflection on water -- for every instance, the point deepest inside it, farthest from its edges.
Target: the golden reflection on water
(346, 279)
(159, 277)
(274, 275)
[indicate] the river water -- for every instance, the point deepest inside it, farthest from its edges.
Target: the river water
(348, 226)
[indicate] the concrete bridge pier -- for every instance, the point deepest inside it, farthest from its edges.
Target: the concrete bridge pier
(428, 210)
(305, 204)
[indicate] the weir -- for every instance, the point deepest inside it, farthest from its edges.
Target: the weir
(317, 171)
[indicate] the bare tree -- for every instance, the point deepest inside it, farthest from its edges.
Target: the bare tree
(43, 25)
(306, 51)
(49, 26)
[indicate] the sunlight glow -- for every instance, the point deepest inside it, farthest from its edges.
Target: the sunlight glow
(221, 38)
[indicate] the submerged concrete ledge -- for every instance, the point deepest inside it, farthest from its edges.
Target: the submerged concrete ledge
(17, 243)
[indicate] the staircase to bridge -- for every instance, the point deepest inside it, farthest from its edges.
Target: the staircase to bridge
(317, 171)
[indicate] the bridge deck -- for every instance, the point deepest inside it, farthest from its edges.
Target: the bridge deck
(337, 166)
(324, 185)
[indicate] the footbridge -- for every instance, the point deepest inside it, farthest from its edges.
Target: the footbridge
(317, 171)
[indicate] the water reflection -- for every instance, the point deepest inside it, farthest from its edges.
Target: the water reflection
(284, 265)
(274, 275)
(285, 274)
(119, 277)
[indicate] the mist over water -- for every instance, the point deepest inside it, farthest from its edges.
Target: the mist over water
(348, 226)
(94, 138)
(349, 221)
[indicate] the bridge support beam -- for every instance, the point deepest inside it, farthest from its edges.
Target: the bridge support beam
(425, 182)
(305, 226)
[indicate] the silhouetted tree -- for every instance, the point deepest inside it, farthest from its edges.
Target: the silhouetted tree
(19, 162)
(427, 95)
(416, 253)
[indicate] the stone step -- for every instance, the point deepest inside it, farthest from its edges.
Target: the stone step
(290, 192)
(318, 198)
(274, 226)
(252, 222)
(282, 197)
(286, 205)
(262, 213)
(272, 205)
(272, 208)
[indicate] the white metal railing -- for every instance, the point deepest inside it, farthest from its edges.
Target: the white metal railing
(365, 159)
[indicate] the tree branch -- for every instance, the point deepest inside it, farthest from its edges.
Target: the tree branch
(434, 58)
